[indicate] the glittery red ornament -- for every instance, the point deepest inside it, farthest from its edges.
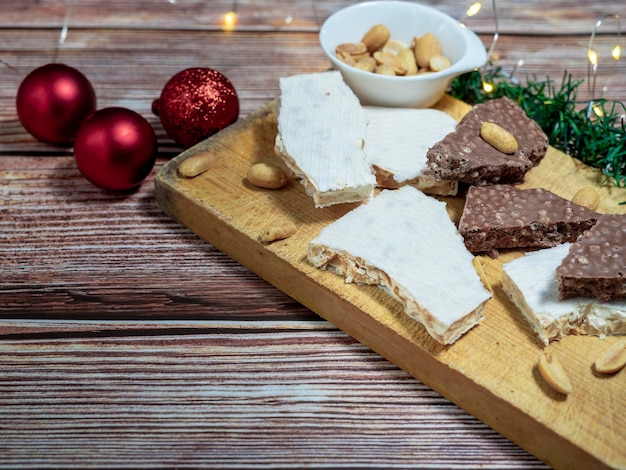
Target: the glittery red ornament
(53, 101)
(115, 148)
(195, 104)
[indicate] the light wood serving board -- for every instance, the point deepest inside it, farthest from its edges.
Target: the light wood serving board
(491, 371)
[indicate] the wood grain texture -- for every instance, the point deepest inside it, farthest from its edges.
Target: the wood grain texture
(227, 398)
(121, 331)
(554, 18)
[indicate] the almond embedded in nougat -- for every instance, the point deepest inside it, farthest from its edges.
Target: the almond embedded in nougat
(498, 137)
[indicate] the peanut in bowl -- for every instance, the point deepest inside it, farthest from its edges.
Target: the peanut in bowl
(405, 21)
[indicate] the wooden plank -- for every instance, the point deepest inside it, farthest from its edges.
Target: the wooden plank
(558, 18)
(225, 398)
(491, 371)
(87, 328)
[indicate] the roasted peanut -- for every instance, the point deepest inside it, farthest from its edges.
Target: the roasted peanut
(392, 60)
(393, 46)
(407, 58)
(368, 64)
(553, 373)
(587, 197)
(352, 48)
(197, 164)
(497, 137)
(426, 47)
(346, 58)
(376, 37)
(267, 176)
(385, 69)
(438, 62)
(612, 359)
(278, 231)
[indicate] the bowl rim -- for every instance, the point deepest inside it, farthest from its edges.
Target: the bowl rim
(470, 38)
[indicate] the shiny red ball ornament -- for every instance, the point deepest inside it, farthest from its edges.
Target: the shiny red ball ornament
(115, 148)
(53, 101)
(195, 104)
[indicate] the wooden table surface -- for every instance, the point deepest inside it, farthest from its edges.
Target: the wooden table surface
(126, 341)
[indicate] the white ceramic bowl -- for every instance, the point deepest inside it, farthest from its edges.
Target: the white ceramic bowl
(404, 20)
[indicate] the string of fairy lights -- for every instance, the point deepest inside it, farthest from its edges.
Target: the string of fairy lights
(229, 21)
(592, 54)
(473, 10)
(593, 60)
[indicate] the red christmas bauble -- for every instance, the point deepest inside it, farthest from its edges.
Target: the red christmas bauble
(195, 104)
(53, 101)
(115, 148)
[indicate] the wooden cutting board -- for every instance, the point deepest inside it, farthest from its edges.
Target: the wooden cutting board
(491, 371)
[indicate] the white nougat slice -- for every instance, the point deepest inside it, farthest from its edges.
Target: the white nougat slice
(321, 130)
(396, 144)
(530, 282)
(405, 242)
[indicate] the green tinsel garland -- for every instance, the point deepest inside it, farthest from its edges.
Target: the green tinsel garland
(598, 141)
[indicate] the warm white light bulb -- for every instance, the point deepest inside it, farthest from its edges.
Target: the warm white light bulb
(229, 21)
(593, 57)
(474, 8)
(616, 52)
(488, 87)
(597, 109)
